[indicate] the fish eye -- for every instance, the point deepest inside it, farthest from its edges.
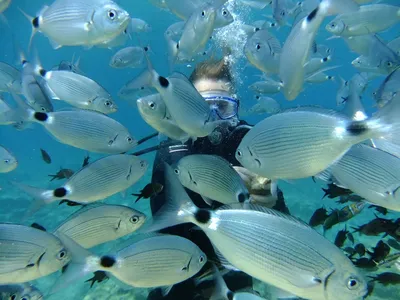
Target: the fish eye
(352, 284)
(24, 298)
(283, 13)
(142, 164)
(176, 171)
(107, 103)
(112, 14)
(134, 219)
(61, 254)
(239, 153)
(152, 105)
(7, 161)
(201, 259)
(258, 46)
(224, 13)
(333, 25)
(257, 97)
(129, 139)
(203, 13)
(389, 64)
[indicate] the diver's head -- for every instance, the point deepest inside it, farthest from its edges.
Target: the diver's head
(214, 81)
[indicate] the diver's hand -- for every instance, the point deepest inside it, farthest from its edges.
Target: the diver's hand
(259, 187)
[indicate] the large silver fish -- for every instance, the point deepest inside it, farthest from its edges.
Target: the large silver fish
(300, 143)
(97, 224)
(78, 90)
(212, 177)
(19, 292)
(98, 180)
(155, 261)
(129, 57)
(8, 162)
(268, 245)
(27, 254)
(80, 23)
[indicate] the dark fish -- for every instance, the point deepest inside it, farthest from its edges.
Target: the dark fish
(350, 237)
(364, 263)
(334, 191)
(319, 216)
(98, 276)
(389, 261)
(394, 244)
(380, 252)
(45, 156)
(332, 219)
(349, 198)
(86, 161)
(349, 211)
(350, 251)
(360, 249)
(70, 203)
(148, 191)
(386, 278)
(280, 204)
(380, 209)
(38, 226)
(376, 227)
(341, 237)
(62, 174)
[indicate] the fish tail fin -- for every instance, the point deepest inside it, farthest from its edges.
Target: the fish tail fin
(82, 263)
(326, 193)
(35, 25)
(41, 197)
(178, 207)
(21, 113)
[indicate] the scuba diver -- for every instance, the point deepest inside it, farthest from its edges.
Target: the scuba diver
(214, 81)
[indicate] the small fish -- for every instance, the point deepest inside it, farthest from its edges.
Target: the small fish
(349, 198)
(334, 191)
(319, 216)
(153, 261)
(77, 23)
(62, 174)
(341, 237)
(269, 86)
(265, 105)
(380, 209)
(350, 237)
(98, 276)
(380, 252)
(331, 220)
(45, 156)
(10, 78)
(343, 91)
(97, 224)
(376, 227)
(394, 244)
(212, 177)
(86, 161)
(387, 278)
(28, 253)
(389, 88)
(360, 249)
(138, 25)
(98, 180)
(8, 162)
(364, 263)
(23, 291)
(150, 190)
(129, 57)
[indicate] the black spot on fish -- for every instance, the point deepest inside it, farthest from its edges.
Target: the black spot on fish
(24, 61)
(146, 49)
(42, 72)
(60, 192)
(107, 261)
(202, 216)
(163, 81)
(242, 197)
(30, 265)
(35, 22)
(357, 128)
(325, 59)
(312, 15)
(40, 116)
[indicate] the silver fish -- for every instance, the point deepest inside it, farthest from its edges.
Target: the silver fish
(80, 23)
(263, 51)
(10, 78)
(97, 181)
(212, 177)
(20, 292)
(265, 105)
(85, 129)
(154, 112)
(388, 89)
(97, 224)
(155, 261)
(343, 91)
(129, 57)
(371, 173)
(138, 25)
(368, 19)
(78, 90)
(261, 243)
(300, 143)
(28, 254)
(268, 86)
(8, 162)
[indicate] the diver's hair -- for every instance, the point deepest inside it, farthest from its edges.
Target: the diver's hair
(214, 69)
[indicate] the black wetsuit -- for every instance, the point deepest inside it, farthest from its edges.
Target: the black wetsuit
(226, 148)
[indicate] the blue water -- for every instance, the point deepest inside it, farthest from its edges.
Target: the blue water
(302, 196)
